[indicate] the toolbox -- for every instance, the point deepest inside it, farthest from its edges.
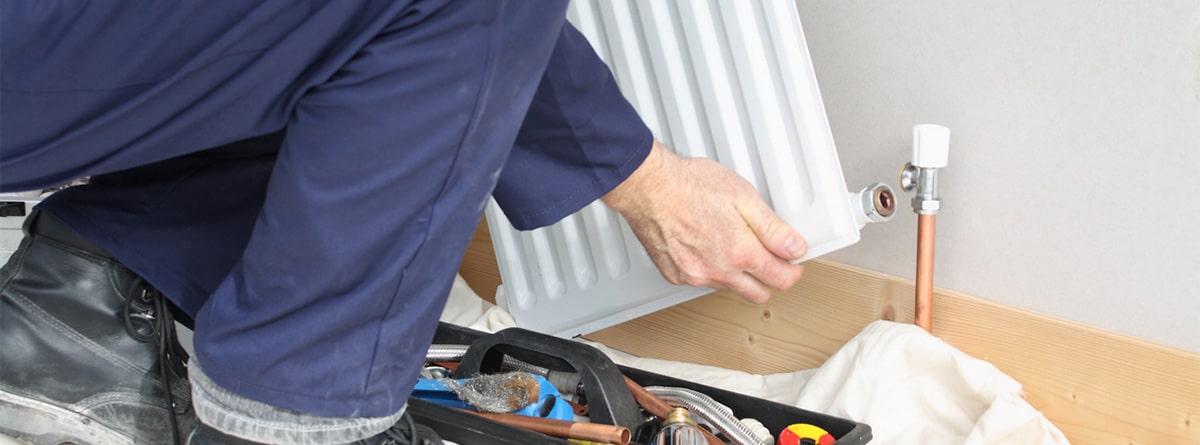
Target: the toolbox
(609, 401)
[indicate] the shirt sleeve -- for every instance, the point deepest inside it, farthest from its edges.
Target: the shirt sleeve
(579, 140)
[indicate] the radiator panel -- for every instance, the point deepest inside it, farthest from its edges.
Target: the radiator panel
(726, 80)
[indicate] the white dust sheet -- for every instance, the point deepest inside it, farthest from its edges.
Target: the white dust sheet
(908, 385)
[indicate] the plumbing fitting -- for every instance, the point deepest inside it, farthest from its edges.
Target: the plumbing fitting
(679, 429)
(875, 203)
(931, 146)
(712, 413)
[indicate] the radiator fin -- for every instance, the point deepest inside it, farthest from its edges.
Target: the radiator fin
(726, 80)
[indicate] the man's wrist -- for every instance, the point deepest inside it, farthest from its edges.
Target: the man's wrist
(627, 195)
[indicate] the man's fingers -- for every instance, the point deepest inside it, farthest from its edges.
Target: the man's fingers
(749, 288)
(777, 273)
(775, 234)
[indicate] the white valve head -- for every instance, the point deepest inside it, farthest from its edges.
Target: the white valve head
(931, 146)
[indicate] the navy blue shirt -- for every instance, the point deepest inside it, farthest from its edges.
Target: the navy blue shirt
(302, 177)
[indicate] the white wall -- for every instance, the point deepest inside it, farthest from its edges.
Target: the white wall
(1074, 180)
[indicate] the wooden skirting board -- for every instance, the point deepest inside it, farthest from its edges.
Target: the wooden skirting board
(1097, 386)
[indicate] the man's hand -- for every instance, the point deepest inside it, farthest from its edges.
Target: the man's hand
(704, 225)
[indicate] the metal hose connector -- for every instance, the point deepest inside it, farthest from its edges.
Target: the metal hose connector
(445, 353)
(719, 416)
(454, 353)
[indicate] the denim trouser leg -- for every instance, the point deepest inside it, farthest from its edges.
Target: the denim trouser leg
(256, 421)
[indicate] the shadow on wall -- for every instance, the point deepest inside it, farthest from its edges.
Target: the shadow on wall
(1196, 51)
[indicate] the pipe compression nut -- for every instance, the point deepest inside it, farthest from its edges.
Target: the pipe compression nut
(926, 206)
(878, 202)
(923, 181)
(873, 204)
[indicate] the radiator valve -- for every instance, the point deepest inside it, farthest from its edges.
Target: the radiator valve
(931, 145)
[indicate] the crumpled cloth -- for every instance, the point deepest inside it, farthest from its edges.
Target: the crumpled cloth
(908, 385)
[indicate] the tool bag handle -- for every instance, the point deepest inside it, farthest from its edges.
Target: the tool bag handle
(609, 399)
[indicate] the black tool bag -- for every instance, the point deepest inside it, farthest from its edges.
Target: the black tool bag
(608, 398)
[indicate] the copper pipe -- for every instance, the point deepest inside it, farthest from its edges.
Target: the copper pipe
(649, 402)
(596, 432)
(926, 224)
(660, 408)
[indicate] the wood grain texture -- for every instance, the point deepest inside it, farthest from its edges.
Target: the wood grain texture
(798, 329)
(479, 264)
(1095, 385)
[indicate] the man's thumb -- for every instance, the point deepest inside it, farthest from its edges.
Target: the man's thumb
(776, 234)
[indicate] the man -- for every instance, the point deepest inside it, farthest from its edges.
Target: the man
(301, 178)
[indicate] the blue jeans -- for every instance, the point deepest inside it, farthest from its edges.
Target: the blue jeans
(252, 420)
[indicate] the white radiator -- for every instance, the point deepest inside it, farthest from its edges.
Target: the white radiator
(729, 80)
